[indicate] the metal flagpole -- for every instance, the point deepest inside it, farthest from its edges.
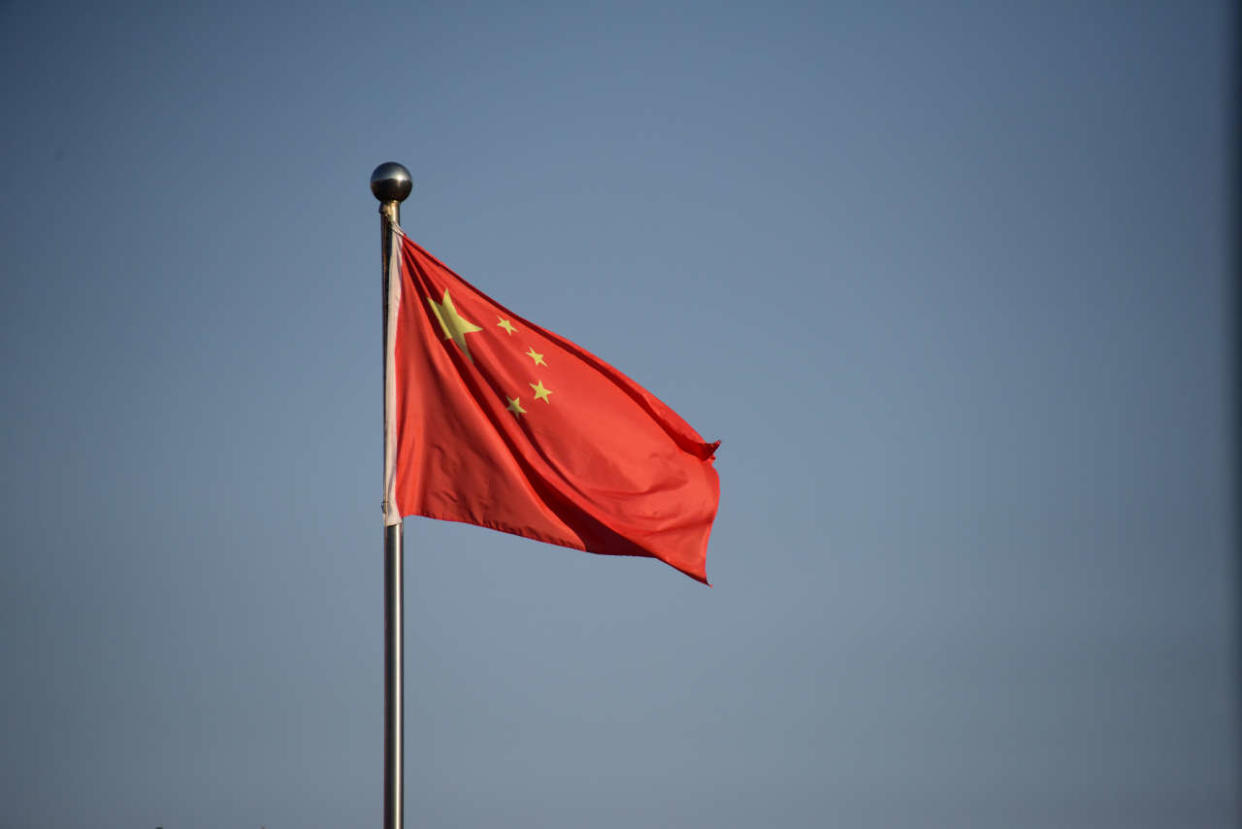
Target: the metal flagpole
(390, 183)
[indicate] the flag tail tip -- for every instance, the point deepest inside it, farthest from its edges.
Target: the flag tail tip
(700, 576)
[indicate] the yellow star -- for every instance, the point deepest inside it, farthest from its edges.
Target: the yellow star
(455, 326)
(540, 392)
(515, 406)
(536, 356)
(506, 325)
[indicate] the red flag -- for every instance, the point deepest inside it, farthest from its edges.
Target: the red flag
(506, 425)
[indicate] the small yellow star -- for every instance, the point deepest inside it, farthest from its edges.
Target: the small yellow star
(536, 356)
(454, 325)
(506, 325)
(515, 406)
(540, 392)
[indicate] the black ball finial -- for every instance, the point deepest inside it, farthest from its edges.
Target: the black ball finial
(391, 182)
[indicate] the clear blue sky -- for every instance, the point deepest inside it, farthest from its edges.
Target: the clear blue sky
(947, 280)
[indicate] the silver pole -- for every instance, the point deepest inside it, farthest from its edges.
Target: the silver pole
(391, 184)
(394, 675)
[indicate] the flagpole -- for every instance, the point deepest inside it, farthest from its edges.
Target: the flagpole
(390, 183)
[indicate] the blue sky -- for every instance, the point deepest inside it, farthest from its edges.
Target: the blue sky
(948, 283)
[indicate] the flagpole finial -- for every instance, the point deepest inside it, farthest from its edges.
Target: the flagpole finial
(391, 182)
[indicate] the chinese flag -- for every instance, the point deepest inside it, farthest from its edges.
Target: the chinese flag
(503, 424)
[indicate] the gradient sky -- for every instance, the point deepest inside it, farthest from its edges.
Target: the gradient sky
(947, 280)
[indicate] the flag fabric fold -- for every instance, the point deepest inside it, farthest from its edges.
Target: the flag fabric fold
(503, 424)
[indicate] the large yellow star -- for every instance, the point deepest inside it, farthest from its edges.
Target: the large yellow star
(455, 326)
(515, 406)
(536, 356)
(540, 392)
